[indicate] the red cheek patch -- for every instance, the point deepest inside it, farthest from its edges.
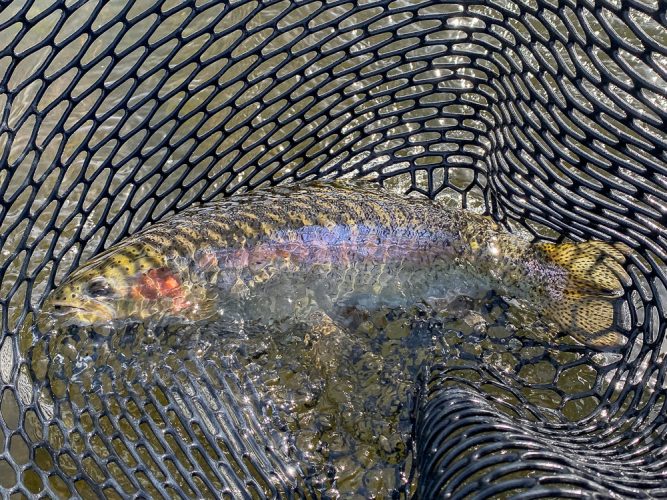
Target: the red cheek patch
(161, 283)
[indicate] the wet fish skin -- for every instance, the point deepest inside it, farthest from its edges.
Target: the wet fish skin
(336, 243)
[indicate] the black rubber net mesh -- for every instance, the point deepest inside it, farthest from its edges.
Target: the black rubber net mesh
(548, 115)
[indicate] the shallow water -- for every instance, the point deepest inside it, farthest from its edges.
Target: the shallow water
(334, 410)
(338, 408)
(330, 412)
(373, 375)
(347, 419)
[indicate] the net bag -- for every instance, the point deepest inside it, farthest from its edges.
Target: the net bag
(548, 115)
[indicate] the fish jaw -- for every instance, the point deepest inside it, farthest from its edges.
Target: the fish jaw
(87, 313)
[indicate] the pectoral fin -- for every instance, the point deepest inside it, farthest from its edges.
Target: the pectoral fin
(328, 340)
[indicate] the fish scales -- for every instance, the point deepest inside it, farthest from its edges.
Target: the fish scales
(320, 236)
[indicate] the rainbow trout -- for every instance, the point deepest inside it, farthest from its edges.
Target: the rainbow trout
(284, 254)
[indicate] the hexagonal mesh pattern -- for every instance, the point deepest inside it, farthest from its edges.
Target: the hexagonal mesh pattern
(548, 115)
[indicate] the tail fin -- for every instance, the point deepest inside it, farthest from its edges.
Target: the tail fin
(595, 279)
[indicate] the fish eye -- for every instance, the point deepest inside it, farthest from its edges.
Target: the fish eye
(99, 287)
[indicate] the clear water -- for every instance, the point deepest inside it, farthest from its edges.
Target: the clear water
(338, 404)
(342, 403)
(335, 406)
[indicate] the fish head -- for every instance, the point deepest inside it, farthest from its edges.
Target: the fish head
(124, 284)
(89, 297)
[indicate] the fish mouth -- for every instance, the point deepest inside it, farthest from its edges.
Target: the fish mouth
(85, 314)
(64, 307)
